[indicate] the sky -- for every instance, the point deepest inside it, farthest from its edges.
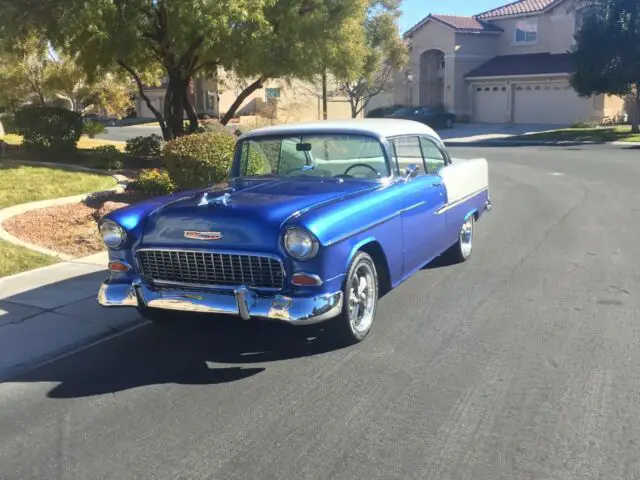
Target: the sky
(415, 10)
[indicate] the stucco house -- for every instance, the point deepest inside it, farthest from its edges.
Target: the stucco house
(279, 100)
(506, 65)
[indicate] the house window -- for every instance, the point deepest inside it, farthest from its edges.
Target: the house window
(272, 93)
(526, 31)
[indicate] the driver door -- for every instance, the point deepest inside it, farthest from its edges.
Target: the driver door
(421, 195)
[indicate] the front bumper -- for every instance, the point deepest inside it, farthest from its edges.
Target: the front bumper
(241, 302)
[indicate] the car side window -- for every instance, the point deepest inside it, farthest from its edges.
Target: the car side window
(434, 159)
(407, 151)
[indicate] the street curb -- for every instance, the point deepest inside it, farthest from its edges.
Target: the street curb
(531, 143)
(10, 212)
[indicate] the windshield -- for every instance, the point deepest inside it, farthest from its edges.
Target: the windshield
(327, 155)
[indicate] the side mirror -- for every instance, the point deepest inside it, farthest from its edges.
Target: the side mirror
(411, 171)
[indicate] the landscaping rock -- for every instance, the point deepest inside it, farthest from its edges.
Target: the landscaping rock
(108, 207)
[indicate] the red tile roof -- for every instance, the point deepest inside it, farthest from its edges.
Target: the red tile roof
(459, 24)
(519, 7)
(466, 24)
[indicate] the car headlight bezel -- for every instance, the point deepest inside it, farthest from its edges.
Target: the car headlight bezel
(113, 235)
(300, 243)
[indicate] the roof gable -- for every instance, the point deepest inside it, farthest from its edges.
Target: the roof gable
(457, 23)
(519, 7)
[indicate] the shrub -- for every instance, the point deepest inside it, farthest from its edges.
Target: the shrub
(150, 146)
(49, 127)
(154, 182)
(197, 160)
(91, 129)
(214, 126)
(107, 156)
(8, 122)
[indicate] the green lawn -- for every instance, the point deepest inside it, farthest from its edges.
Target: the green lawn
(22, 184)
(85, 143)
(601, 134)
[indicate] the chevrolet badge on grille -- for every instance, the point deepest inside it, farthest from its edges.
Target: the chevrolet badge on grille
(202, 235)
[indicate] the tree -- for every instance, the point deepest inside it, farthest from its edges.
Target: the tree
(607, 54)
(109, 92)
(385, 53)
(177, 39)
(24, 69)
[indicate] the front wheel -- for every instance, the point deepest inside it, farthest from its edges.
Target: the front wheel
(449, 122)
(360, 293)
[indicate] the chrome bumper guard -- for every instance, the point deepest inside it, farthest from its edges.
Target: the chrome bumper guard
(241, 302)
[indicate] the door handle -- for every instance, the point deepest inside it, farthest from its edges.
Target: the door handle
(436, 184)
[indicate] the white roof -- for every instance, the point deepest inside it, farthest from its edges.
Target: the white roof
(383, 127)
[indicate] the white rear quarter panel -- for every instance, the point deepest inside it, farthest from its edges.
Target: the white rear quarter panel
(465, 177)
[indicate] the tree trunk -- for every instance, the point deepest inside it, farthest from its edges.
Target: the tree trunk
(174, 104)
(324, 95)
(191, 112)
(354, 106)
(241, 98)
(635, 114)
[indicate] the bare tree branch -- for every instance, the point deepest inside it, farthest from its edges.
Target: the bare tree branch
(143, 95)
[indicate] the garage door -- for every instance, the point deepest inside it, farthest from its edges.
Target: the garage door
(490, 104)
(549, 103)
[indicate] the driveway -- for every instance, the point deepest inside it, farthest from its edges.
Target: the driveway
(122, 134)
(473, 132)
(520, 364)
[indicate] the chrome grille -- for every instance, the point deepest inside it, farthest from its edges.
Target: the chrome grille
(211, 268)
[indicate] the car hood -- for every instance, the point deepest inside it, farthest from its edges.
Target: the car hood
(248, 215)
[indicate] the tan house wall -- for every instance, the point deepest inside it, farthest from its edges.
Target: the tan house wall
(471, 51)
(298, 102)
(431, 36)
(555, 31)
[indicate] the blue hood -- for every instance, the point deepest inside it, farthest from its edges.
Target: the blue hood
(251, 218)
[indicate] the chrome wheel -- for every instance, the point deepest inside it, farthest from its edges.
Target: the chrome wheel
(466, 237)
(362, 298)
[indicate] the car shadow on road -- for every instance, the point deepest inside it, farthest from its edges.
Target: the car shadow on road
(189, 350)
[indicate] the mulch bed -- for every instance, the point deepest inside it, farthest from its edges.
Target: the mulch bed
(69, 229)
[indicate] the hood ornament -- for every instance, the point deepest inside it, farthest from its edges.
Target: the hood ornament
(204, 200)
(224, 199)
(221, 200)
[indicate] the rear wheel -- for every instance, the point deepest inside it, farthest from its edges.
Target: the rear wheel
(449, 122)
(360, 301)
(461, 250)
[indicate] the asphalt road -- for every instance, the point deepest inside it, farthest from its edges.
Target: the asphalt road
(523, 363)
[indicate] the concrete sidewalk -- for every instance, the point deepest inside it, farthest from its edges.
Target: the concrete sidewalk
(47, 312)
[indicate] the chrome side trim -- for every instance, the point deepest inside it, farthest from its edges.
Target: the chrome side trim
(449, 206)
(362, 229)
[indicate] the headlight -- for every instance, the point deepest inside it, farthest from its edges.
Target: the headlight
(113, 235)
(300, 244)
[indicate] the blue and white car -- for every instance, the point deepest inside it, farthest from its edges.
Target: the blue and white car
(318, 220)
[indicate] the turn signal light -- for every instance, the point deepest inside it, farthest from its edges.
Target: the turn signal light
(305, 280)
(118, 267)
